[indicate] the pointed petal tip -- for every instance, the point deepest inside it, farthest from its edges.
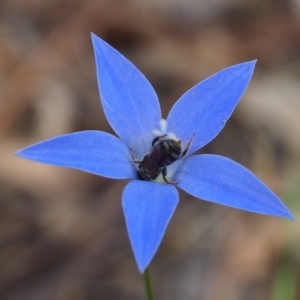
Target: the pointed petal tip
(142, 268)
(288, 215)
(254, 61)
(284, 213)
(17, 153)
(27, 153)
(22, 153)
(248, 66)
(142, 265)
(94, 37)
(250, 62)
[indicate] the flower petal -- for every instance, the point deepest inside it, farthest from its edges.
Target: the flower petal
(204, 109)
(218, 179)
(148, 208)
(91, 151)
(129, 101)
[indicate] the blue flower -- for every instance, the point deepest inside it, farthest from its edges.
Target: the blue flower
(133, 111)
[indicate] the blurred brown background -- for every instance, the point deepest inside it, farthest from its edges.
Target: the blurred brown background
(62, 232)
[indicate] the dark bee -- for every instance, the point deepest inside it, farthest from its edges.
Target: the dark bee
(162, 154)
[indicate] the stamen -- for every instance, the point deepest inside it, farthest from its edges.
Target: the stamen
(163, 125)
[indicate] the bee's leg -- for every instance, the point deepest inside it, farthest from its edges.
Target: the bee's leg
(164, 174)
(133, 158)
(187, 146)
(158, 138)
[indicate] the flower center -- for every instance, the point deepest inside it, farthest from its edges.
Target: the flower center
(160, 164)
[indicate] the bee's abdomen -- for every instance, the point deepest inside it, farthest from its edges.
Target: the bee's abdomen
(171, 150)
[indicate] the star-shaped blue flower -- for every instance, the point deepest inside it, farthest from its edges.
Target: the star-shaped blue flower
(133, 111)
